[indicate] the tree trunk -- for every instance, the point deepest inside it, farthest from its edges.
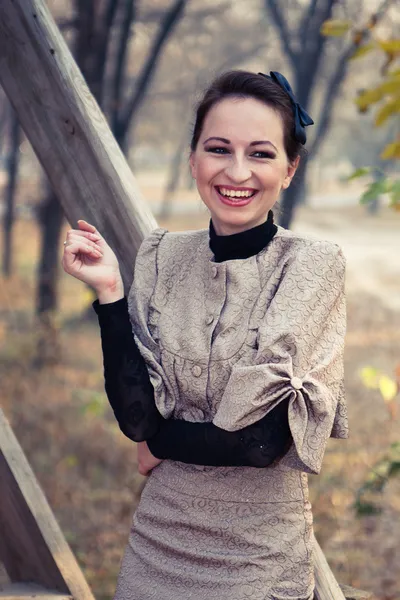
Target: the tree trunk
(117, 79)
(51, 218)
(173, 179)
(9, 215)
(294, 195)
(171, 19)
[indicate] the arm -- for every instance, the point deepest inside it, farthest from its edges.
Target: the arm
(131, 396)
(299, 358)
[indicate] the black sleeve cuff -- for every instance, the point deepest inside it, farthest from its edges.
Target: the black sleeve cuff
(111, 308)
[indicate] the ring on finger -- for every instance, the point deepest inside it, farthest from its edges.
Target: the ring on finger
(66, 243)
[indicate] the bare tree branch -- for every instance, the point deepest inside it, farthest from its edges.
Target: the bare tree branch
(143, 81)
(285, 34)
(13, 161)
(155, 15)
(331, 93)
(128, 11)
(306, 22)
(5, 109)
(103, 45)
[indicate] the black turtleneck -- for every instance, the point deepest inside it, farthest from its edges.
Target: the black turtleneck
(131, 394)
(243, 244)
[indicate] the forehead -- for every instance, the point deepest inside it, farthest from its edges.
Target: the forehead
(243, 120)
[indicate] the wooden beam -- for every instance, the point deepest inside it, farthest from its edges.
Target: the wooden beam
(18, 591)
(68, 131)
(32, 546)
(326, 586)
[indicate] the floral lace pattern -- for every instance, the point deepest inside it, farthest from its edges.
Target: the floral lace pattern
(225, 343)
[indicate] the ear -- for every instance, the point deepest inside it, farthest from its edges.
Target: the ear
(192, 164)
(292, 168)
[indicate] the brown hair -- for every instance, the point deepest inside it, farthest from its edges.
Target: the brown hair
(244, 84)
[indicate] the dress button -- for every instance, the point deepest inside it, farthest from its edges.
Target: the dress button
(214, 272)
(296, 382)
(196, 370)
(209, 319)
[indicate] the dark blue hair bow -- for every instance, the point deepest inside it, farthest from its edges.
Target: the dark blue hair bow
(301, 118)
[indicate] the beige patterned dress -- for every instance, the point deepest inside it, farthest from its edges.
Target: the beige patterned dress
(225, 342)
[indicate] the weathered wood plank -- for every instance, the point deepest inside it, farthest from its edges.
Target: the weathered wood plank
(34, 596)
(32, 546)
(21, 591)
(354, 593)
(68, 130)
(326, 586)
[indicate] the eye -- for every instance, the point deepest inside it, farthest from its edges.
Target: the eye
(260, 154)
(217, 150)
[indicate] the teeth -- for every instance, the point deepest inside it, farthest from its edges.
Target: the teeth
(234, 193)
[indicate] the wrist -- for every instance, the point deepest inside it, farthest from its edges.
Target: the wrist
(111, 294)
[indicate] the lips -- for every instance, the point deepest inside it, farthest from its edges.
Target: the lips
(234, 192)
(234, 196)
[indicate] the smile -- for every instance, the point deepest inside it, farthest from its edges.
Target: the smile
(229, 192)
(235, 196)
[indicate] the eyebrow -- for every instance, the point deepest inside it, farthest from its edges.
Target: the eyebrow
(256, 143)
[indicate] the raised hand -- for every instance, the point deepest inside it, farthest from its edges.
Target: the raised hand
(89, 258)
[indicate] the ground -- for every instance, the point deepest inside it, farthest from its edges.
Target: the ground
(87, 468)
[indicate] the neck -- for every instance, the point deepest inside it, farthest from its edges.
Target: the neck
(243, 244)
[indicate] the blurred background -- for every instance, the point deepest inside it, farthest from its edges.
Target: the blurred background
(147, 63)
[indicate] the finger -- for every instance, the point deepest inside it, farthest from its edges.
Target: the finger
(76, 239)
(87, 234)
(77, 247)
(86, 226)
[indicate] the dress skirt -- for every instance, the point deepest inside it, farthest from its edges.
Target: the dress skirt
(220, 533)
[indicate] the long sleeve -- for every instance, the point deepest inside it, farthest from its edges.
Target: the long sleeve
(299, 358)
(126, 378)
(131, 396)
(258, 445)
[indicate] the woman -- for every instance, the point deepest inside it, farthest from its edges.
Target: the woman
(233, 379)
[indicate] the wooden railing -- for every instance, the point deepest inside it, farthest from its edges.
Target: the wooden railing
(33, 550)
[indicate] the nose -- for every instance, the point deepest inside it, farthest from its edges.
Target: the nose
(238, 170)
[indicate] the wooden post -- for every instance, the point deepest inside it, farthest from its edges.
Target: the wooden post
(68, 131)
(326, 586)
(33, 550)
(78, 152)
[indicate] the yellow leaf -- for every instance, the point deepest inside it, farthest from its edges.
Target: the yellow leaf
(387, 110)
(387, 387)
(88, 296)
(363, 50)
(391, 151)
(370, 377)
(390, 46)
(335, 27)
(388, 87)
(368, 97)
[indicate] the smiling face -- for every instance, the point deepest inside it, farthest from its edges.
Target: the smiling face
(240, 164)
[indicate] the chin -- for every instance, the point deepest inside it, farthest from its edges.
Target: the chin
(236, 220)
